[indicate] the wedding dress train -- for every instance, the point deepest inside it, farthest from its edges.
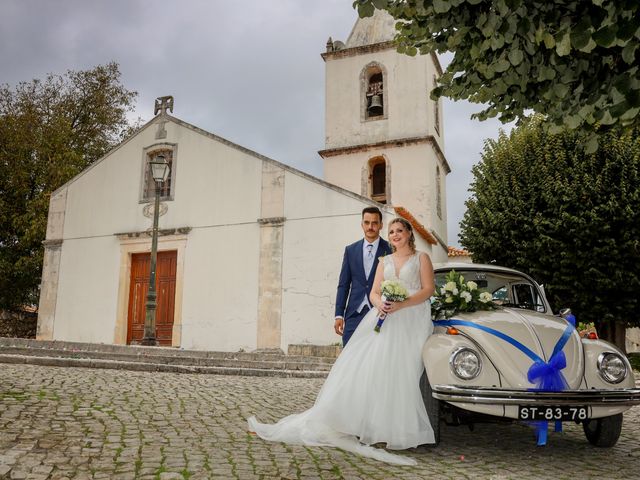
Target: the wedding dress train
(372, 393)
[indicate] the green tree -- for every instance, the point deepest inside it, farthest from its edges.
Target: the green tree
(575, 61)
(49, 131)
(542, 205)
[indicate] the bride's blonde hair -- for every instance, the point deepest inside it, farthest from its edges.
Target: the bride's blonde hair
(412, 237)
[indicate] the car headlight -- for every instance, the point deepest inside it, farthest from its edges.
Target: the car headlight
(612, 367)
(465, 363)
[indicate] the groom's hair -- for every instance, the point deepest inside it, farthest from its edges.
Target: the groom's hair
(374, 210)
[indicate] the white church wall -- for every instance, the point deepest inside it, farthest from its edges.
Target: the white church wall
(221, 288)
(316, 232)
(406, 84)
(217, 194)
(216, 184)
(413, 180)
(105, 200)
(88, 290)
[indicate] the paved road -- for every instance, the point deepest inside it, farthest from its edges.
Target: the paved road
(64, 423)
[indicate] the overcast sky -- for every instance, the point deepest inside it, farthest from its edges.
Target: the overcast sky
(248, 70)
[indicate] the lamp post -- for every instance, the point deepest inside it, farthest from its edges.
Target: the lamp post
(160, 172)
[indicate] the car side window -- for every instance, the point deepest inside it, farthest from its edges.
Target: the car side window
(501, 295)
(526, 297)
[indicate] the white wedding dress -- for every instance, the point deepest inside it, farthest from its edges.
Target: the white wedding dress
(372, 392)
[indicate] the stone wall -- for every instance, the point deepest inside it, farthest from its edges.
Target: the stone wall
(18, 324)
(633, 340)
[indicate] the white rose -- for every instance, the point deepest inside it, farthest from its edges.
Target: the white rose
(443, 291)
(466, 296)
(472, 286)
(448, 300)
(451, 286)
(485, 297)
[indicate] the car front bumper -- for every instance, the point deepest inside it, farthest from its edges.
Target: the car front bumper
(499, 396)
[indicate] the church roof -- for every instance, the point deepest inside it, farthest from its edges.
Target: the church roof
(378, 28)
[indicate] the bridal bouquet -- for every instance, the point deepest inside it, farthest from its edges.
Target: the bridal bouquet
(392, 291)
(457, 295)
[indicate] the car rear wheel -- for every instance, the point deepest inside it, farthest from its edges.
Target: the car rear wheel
(603, 432)
(433, 406)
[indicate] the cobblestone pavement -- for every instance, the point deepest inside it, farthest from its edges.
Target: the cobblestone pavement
(64, 423)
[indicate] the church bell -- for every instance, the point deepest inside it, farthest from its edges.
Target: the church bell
(375, 108)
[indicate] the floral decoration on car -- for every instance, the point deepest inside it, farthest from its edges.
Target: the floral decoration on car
(458, 295)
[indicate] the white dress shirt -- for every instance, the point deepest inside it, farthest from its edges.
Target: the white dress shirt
(367, 262)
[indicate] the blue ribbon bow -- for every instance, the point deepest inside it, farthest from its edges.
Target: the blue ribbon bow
(545, 375)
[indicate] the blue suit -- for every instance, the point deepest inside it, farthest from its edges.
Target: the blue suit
(353, 285)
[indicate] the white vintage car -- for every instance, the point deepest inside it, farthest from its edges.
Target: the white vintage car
(485, 365)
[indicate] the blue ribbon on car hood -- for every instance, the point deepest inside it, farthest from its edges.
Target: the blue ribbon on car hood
(546, 376)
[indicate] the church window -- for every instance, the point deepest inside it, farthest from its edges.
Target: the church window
(438, 193)
(378, 179)
(436, 108)
(149, 184)
(374, 94)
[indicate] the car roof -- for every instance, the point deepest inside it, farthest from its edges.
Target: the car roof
(461, 266)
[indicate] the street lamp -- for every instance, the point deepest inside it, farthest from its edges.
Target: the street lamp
(160, 172)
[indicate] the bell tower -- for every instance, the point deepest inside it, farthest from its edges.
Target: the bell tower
(383, 134)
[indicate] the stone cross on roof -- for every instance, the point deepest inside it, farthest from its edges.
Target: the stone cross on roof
(163, 104)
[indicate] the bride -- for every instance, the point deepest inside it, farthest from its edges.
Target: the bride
(372, 393)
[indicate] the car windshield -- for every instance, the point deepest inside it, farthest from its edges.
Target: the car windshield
(507, 289)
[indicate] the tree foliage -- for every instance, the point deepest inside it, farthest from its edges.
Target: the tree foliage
(50, 131)
(575, 61)
(540, 204)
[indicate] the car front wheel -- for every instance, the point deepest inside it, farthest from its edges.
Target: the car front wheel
(432, 405)
(603, 432)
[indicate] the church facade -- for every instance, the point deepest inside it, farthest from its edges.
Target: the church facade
(249, 249)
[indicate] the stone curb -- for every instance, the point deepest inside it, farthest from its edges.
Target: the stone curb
(158, 367)
(280, 362)
(160, 351)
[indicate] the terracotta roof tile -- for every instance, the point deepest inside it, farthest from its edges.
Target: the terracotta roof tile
(458, 252)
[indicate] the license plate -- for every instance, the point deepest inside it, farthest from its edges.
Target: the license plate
(545, 412)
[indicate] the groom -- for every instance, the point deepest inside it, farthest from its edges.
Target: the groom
(356, 276)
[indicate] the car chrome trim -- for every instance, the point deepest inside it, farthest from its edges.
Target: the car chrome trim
(481, 349)
(499, 396)
(453, 356)
(599, 364)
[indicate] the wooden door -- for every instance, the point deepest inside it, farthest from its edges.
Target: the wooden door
(165, 290)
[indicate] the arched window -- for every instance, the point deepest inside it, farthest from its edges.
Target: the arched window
(378, 179)
(148, 183)
(374, 93)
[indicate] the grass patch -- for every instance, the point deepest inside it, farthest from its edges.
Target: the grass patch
(17, 396)
(160, 470)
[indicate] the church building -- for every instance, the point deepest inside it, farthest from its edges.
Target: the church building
(249, 249)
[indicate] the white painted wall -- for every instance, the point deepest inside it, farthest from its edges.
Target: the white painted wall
(413, 177)
(88, 290)
(410, 111)
(316, 231)
(220, 298)
(218, 195)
